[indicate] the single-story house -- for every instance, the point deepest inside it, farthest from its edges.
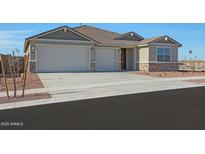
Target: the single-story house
(87, 48)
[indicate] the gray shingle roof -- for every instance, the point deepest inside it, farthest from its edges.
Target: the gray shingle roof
(103, 36)
(100, 35)
(108, 37)
(149, 40)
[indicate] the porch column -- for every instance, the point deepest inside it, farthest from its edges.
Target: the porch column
(118, 61)
(92, 59)
(32, 51)
(135, 58)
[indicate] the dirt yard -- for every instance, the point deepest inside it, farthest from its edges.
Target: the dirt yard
(27, 97)
(197, 65)
(33, 82)
(172, 74)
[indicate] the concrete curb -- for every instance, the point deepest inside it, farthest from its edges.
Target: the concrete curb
(29, 91)
(26, 103)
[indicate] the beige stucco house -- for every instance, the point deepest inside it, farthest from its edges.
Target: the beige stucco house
(87, 48)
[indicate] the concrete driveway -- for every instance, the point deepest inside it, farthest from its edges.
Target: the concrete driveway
(84, 80)
(78, 86)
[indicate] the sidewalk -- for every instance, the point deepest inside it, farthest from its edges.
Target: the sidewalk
(97, 90)
(29, 91)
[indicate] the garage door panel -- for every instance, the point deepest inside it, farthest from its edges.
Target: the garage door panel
(105, 59)
(61, 58)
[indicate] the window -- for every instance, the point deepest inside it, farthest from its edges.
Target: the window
(163, 54)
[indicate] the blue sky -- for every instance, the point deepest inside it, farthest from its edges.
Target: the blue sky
(192, 36)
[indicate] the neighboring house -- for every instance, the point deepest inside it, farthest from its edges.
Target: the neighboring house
(87, 48)
(19, 64)
(0, 64)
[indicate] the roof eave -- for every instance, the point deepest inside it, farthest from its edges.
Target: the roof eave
(117, 45)
(159, 38)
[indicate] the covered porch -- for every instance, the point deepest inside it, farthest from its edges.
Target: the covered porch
(128, 59)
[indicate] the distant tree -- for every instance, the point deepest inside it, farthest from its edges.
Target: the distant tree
(185, 62)
(191, 60)
(17, 62)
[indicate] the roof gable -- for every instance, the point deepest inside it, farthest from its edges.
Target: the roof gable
(62, 33)
(167, 40)
(162, 39)
(132, 36)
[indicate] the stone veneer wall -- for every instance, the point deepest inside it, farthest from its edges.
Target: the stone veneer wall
(143, 67)
(163, 67)
(32, 67)
(151, 67)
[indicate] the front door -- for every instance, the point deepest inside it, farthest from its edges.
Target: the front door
(123, 58)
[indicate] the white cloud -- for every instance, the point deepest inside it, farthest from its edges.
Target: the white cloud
(14, 34)
(11, 39)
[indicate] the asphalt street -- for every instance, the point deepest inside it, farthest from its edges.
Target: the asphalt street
(182, 109)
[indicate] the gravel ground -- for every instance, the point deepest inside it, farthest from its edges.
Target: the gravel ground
(33, 82)
(27, 97)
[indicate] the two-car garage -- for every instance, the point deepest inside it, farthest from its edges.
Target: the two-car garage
(73, 58)
(61, 58)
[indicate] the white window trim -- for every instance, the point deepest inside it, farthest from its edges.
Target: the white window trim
(170, 55)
